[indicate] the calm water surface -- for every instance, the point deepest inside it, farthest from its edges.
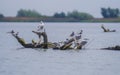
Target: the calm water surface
(16, 60)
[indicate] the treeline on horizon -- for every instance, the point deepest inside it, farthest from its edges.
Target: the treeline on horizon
(33, 15)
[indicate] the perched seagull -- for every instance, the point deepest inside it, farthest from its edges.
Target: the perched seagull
(41, 26)
(17, 33)
(72, 34)
(78, 37)
(81, 32)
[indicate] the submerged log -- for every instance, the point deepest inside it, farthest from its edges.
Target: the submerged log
(107, 30)
(113, 48)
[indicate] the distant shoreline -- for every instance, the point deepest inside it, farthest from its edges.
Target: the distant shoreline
(50, 19)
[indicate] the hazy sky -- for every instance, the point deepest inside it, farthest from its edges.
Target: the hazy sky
(49, 7)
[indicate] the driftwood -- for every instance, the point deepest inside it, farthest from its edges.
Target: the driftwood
(67, 45)
(45, 39)
(107, 30)
(113, 48)
(44, 45)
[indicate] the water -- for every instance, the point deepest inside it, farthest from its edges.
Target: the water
(16, 60)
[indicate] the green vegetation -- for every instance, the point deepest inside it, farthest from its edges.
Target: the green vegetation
(110, 13)
(79, 15)
(28, 13)
(1, 16)
(23, 15)
(74, 14)
(59, 15)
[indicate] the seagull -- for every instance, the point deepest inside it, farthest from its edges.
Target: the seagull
(41, 26)
(72, 34)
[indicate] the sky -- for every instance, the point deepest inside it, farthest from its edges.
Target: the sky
(49, 7)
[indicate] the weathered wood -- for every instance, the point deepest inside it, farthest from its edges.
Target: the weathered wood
(44, 45)
(112, 48)
(107, 30)
(45, 38)
(67, 44)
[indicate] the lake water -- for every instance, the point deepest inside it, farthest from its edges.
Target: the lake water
(16, 60)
